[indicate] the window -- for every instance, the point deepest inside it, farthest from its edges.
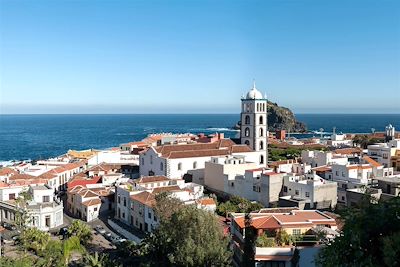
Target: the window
(179, 166)
(11, 196)
(261, 132)
(247, 119)
(149, 215)
(124, 201)
(261, 145)
(307, 194)
(261, 159)
(95, 209)
(119, 199)
(296, 231)
(232, 184)
(261, 120)
(46, 198)
(296, 192)
(344, 186)
(285, 189)
(247, 132)
(123, 215)
(151, 159)
(195, 165)
(161, 166)
(337, 173)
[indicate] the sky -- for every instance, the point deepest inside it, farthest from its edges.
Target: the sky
(188, 56)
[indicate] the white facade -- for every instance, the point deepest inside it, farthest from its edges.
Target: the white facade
(321, 158)
(320, 193)
(382, 153)
(43, 211)
(153, 163)
(114, 157)
(254, 125)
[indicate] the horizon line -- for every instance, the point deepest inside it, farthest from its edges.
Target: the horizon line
(300, 113)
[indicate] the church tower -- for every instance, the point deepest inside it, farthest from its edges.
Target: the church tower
(254, 125)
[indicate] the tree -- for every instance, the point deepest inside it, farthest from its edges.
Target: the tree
(34, 239)
(21, 215)
(191, 237)
(370, 237)
(80, 230)
(238, 204)
(94, 260)
(71, 245)
(250, 237)
(166, 205)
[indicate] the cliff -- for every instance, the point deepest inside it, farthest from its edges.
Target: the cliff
(281, 118)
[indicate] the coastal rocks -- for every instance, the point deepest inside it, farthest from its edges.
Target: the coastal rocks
(281, 118)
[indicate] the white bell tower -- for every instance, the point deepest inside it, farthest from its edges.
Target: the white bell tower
(254, 124)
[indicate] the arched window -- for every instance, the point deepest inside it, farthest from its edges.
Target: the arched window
(261, 145)
(247, 142)
(161, 166)
(258, 106)
(247, 119)
(261, 120)
(151, 159)
(179, 166)
(247, 132)
(262, 159)
(195, 165)
(261, 132)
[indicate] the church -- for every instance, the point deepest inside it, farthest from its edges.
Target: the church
(177, 160)
(254, 123)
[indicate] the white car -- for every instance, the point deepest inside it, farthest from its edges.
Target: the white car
(100, 229)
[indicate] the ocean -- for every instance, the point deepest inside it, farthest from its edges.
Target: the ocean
(43, 136)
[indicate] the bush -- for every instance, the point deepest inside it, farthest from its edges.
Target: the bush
(265, 241)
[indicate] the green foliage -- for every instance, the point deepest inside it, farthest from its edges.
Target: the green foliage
(191, 237)
(370, 237)
(34, 239)
(238, 204)
(19, 262)
(80, 230)
(166, 205)
(96, 260)
(265, 241)
(283, 238)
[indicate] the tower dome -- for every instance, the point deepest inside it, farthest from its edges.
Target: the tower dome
(254, 93)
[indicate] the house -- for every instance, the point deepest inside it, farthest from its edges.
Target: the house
(42, 211)
(270, 224)
(383, 152)
(234, 175)
(317, 158)
(176, 161)
(88, 202)
(135, 199)
(308, 191)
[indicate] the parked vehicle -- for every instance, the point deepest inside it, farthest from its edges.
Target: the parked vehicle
(100, 229)
(9, 226)
(107, 235)
(115, 239)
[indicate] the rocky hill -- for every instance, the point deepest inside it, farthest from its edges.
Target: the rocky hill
(281, 118)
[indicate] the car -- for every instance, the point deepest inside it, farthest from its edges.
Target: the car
(120, 239)
(100, 229)
(115, 239)
(107, 235)
(9, 226)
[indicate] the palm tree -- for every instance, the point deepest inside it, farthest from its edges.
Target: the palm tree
(70, 246)
(94, 260)
(80, 230)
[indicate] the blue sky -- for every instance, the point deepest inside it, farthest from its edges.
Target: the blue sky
(198, 56)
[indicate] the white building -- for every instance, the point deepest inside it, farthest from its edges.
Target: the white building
(116, 156)
(43, 211)
(174, 161)
(313, 190)
(339, 140)
(254, 125)
(383, 152)
(234, 175)
(317, 158)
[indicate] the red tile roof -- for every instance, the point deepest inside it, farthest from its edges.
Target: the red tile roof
(145, 198)
(7, 171)
(151, 179)
(371, 161)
